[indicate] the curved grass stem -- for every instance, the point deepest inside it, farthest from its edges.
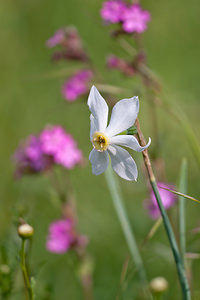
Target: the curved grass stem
(168, 228)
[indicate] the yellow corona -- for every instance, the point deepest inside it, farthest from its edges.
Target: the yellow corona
(100, 141)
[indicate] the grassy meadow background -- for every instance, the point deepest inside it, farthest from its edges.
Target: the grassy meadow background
(30, 98)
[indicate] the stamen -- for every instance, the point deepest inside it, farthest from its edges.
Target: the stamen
(100, 141)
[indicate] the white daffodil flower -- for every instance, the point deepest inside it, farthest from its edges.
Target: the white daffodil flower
(105, 139)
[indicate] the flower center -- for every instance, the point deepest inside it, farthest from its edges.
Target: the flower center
(100, 141)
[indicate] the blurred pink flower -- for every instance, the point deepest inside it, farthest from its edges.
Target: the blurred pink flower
(53, 138)
(61, 145)
(135, 19)
(71, 46)
(52, 146)
(60, 236)
(68, 156)
(168, 200)
(29, 157)
(77, 85)
(113, 62)
(56, 39)
(63, 237)
(112, 11)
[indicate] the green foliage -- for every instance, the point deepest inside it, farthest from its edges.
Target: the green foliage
(30, 98)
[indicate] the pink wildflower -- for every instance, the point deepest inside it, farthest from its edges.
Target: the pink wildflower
(63, 236)
(168, 200)
(135, 19)
(71, 46)
(56, 39)
(61, 145)
(60, 236)
(77, 85)
(112, 11)
(29, 157)
(68, 156)
(54, 138)
(53, 146)
(113, 62)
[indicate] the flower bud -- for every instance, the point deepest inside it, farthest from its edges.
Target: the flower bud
(4, 269)
(25, 231)
(158, 285)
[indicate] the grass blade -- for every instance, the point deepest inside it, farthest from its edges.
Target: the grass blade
(181, 194)
(182, 189)
(121, 213)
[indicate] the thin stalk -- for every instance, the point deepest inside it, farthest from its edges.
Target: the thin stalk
(121, 213)
(86, 282)
(167, 225)
(85, 274)
(68, 200)
(158, 297)
(110, 88)
(25, 271)
(122, 277)
(182, 189)
(152, 231)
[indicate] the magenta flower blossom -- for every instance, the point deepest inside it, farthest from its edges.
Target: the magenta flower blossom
(29, 157)
(60, 236)
(33, 149)
(113, 62)
(112, 11)
(63, 237)
(168, 200)
(71, 46)
(68, 156)
(135, 19)
(52, 146)
(77, 85)
(61, 145)
(56, 39)
(54, 138)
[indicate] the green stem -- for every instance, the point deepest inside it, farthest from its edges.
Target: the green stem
(168, 227)
(25, 271)
(120, 210)
(182, 189)
(158, 297)
(173, 244)
(110, 88)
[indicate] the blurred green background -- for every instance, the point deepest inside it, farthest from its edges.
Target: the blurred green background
(30, 99)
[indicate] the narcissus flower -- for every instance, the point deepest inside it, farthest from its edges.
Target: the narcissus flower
(105, 139)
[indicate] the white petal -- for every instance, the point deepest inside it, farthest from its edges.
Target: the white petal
(99, 161)
(123, 116)
(93, 126)
(128, 141)
(98, 108)
(122, 163)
